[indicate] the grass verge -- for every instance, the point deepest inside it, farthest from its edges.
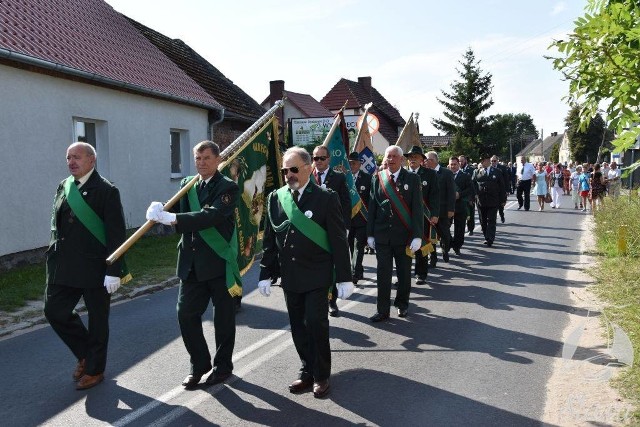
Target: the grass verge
(618, 281)
(151, 260)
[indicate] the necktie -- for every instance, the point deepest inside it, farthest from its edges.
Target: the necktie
(201, 185)
(392, 179)
(296, 195)
(320, 178)
(76, 182)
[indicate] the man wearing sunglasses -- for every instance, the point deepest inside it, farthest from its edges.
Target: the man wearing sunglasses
(305, 245)
(328, 178)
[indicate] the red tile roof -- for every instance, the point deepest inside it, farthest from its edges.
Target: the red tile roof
(234, 99)
(357, 96)
(307, 104)
(90, 37)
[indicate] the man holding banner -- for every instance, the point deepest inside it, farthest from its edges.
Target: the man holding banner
(431, 205)
(305, 244)
(326, 177)
(358, 230)
(87, 224)
(394, 229)
(207, 264)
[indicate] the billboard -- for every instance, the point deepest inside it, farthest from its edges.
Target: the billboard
(313, 130)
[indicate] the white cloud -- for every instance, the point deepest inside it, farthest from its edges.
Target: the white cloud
(558, 8)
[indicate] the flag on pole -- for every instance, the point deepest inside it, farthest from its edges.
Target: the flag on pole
(409, 136)
(363, 145)
(255, 167)
(337, 142)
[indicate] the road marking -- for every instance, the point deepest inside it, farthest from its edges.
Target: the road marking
(204, 394)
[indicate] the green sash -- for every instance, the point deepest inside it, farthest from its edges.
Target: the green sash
(228, 251)
(311, 229)
(90, 220)
(399, 206)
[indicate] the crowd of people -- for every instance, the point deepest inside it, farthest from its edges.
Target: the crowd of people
(313, 243)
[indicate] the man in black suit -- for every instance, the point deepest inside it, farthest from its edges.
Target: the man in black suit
(464, 191)
(447, 205)
(506, 178)
(471, 217)
(326, 177)
(394, 228)
(490, 194)
(87, 225)
(358, 231)
(305, 244)
(431, 201)
(207, 264)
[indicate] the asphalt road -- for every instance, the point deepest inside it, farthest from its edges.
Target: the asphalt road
(476, 349)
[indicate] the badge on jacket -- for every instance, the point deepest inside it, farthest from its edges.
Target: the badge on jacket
(226, 199)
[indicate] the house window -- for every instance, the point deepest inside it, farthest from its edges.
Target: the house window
(179, 147)
(95, 133)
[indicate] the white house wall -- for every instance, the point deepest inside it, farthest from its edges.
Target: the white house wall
(36, 127)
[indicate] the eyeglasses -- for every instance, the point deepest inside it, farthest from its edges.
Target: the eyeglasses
(293, 169)
(316, 158)
(494, 161)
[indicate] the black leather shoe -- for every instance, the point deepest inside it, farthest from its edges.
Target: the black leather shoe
(216, 378)
(333, 309)
(457, 251)
(421, 280)
(191, 381)
(320, 389)
(378, 317)
(470, 232)
(502, 219)
(445, 256)
(490, 243)
(519, 207)
(300, 386)
(486, 242)
(402, 312)
(433, 261)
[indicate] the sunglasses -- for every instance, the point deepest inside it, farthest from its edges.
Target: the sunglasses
(494, 161)
(323, 158)
(293, 169)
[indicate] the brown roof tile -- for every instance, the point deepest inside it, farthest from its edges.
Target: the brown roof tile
(234, 99)
(91, 37)
(357, 95)
(307, 104)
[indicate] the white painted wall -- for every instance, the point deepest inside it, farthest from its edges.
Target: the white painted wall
(36, 127)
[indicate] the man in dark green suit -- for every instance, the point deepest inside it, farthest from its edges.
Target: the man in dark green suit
(358, 231)
(464, 191)
(447, 205)
(76, 262)
(326, 177)
(431, 199)
(305, 244)
(205, 217)
(394, 228)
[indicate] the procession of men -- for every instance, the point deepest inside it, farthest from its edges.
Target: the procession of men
(313, 246)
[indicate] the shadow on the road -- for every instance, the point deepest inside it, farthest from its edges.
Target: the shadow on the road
(377, 397)
(283, 409)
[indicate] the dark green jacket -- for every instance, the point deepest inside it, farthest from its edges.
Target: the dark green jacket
(383, 224)
(465, 191)
(75, 257)
(430, 189)
(337, 182)
(302, 264)
(218, 201)
(363, 187)
(447, 191)
(489, 187)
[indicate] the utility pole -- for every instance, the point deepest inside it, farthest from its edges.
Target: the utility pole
(542, 144)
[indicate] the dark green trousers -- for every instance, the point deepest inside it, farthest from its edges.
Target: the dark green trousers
(90, 344)
(193, 300)
(386, 255)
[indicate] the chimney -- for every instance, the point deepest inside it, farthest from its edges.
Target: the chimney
(365, 82)
(276, 91)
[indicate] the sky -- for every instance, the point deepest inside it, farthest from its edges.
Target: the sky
(410, 49)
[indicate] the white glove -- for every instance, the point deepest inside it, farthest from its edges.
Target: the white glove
(264, 286)
(345, 289)
(415, 244)
(111, 283)
(153, 210)
(166, 218)
(371, 242)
